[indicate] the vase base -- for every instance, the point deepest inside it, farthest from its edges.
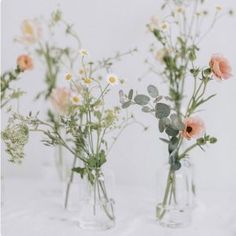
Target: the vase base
(173, 217)
(95, 226)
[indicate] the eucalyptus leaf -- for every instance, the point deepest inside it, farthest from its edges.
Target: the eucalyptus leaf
(162, 110)
(176, 165)
(173, 144)
(161, 126)
(130, 95)
(152, 91)
(126, 104)
(164, 140)
(171, 132)
(141, 99)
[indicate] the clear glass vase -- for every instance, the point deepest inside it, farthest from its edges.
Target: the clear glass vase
(176, 195)
(92, 203)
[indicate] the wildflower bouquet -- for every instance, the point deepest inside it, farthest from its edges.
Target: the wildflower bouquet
(39, 36)
(90, 127)
(178, 40)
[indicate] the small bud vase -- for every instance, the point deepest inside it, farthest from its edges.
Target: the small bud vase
(176, 195)
(90, 200)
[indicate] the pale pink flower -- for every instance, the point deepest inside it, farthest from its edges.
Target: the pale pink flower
(31, 32)
(194, 128)
(60, 99)
(220, 67)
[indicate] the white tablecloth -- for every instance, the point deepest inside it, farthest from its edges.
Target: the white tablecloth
(30, 210)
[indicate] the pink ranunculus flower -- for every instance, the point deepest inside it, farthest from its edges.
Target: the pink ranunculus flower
(194, 128)
(220, 67)
(31, 32)
(60, 99)
(24, 62)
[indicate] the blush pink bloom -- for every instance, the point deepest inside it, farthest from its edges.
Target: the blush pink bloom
(220, 67)
(194, 128)
(31, 32)
(60, 99)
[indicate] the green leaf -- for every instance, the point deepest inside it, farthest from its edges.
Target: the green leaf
(176, 165)
(126, 104)
(92, 162)
(102, 158)
(80, 170)
(130, 95)
(161, 126)
(171, 132)
(141, 99)
(164, 140)
(152, 91)
(162, 110)
(173, 144)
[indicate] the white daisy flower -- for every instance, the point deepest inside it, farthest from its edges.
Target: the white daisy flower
(112, 79)
(68, 76)
(87, 81)
(219, 8)
(83, 52)
(164, 26)
(75, 99)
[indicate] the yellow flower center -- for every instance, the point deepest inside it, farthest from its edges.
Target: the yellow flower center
(68, 77)
(112, 79)
(76, 99)
(27, 28)
(87, 80)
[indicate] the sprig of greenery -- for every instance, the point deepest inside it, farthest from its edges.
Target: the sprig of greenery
(7, 91)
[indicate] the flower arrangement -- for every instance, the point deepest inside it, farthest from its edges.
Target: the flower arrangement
(23, 63)
(90, 127)
(178, 42)
(39, 36)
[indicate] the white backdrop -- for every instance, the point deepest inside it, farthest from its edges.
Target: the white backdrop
(106, 26)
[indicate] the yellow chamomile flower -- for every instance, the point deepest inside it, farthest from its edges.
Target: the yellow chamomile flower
(68, 76)
(112, 79)
(81, 71)
(87, 81)
(164, 26)
(83, 52)
(179, 10)
(75, 99)
(219, 8)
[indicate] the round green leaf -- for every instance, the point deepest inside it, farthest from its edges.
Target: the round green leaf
(152, 91)
(126, 104)
(141, 99)
(171, 132)
(162, 110)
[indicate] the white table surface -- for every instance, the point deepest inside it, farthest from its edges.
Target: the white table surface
(30, 210)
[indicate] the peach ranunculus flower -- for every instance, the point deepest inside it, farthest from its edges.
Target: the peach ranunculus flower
(60, 99)
(220, 67)
(31, 32)
(194, 128)
(24, 62)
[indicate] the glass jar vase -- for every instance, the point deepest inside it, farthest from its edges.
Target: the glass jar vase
(91, 201)
(176, 195)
